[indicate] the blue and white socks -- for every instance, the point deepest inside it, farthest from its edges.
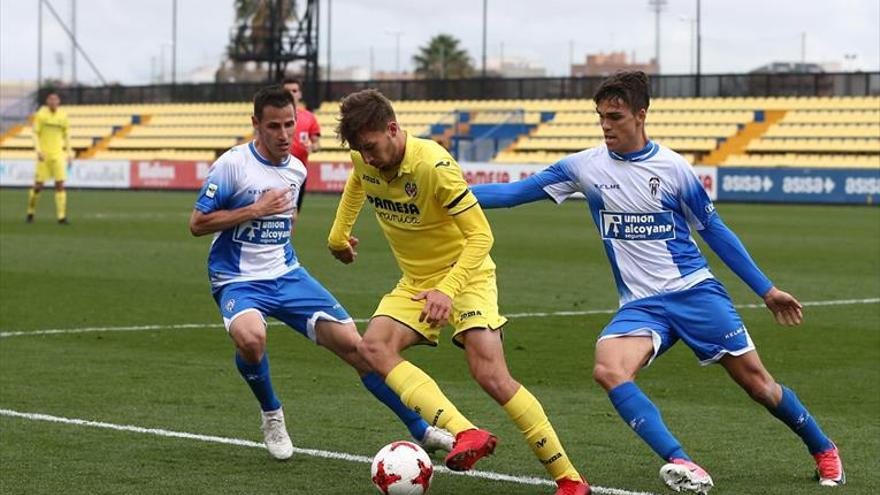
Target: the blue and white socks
(257, 377)
(414, 423)
(644, 418)
(791, 412)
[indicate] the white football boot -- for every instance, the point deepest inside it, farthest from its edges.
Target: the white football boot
(685, 476)
(275, 435)
(436, 439)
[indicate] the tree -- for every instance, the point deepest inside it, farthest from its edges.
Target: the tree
(442, 58)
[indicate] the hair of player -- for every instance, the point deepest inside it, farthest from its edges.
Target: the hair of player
(363, 111)
(291, 80)
(275, 96)
(52, 92)
(630, 87)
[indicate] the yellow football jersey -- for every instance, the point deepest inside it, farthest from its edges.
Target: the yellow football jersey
(50, 130)
(415, 209)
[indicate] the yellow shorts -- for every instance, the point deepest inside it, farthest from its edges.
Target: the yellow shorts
(476, 306)
(54, 166)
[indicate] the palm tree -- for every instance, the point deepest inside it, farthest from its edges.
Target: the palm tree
(442, 58)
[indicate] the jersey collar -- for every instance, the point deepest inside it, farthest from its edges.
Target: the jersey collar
(408, 160)
(265, 161)
(641, 155)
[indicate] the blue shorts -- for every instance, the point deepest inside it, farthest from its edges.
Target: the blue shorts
(702, 316)
(295, 298)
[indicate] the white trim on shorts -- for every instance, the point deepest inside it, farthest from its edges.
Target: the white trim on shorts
(739, 352)
(228, 321)
(656, 340)
(320, 315)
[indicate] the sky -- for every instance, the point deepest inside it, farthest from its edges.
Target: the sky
(129, 41)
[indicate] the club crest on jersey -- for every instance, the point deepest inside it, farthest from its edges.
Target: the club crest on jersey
(411, 189)
(639, 226)
(211, 191)
(654, 184)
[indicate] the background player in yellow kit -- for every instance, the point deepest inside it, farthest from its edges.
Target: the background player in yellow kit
(441, 240)
(52, 144)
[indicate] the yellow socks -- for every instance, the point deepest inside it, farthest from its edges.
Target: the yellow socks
(420, 392)
(61, 204)
(33, 197)
(528, 415)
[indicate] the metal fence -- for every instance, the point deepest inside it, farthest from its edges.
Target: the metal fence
(713, 85)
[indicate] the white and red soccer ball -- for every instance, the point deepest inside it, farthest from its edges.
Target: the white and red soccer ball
(402, 468)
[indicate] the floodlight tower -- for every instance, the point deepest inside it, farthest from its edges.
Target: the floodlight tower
(278, 32)
(657, 6)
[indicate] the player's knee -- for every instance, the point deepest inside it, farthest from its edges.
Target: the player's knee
(496, 382)
(372, 351)
(251, 345)
(610, 376)
(764, 390)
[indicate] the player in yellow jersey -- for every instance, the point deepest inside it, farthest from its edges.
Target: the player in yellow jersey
(441, 240)
(52, 144)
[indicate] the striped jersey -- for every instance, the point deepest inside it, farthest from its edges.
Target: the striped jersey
(257, 249)
(643, 205)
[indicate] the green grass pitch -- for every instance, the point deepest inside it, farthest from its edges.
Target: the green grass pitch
(128, 260)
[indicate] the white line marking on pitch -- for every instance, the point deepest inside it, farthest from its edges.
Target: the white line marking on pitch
(185, 326)
(324, 454)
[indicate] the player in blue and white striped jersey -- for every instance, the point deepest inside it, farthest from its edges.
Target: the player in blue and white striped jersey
(249, 201)
(645, 199)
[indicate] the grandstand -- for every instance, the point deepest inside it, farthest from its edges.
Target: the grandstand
(765, 131)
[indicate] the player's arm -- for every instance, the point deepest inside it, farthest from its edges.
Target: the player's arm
(65, 133)
(299, 204)
(555, 182)
(340, 240)
(503, 195)
(37, 128)
(451, 191)
(724, 242)
(478, 242)
(272, 202)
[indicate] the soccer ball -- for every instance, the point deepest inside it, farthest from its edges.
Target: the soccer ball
(402, 468)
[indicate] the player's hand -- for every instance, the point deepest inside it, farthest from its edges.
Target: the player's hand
(347, 255)
(40, 156)
(272, 202)
(438, 307)
(786, 309)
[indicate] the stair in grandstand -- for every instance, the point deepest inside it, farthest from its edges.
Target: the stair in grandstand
(737, 144)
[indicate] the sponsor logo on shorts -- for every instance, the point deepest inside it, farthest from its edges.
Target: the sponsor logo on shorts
(642, 226)
(735, 333)
(469, 314)
(230, 304)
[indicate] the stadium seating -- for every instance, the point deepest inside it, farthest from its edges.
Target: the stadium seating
(775, 131)
(196, 131)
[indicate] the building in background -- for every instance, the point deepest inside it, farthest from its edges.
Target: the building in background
(602, 64)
